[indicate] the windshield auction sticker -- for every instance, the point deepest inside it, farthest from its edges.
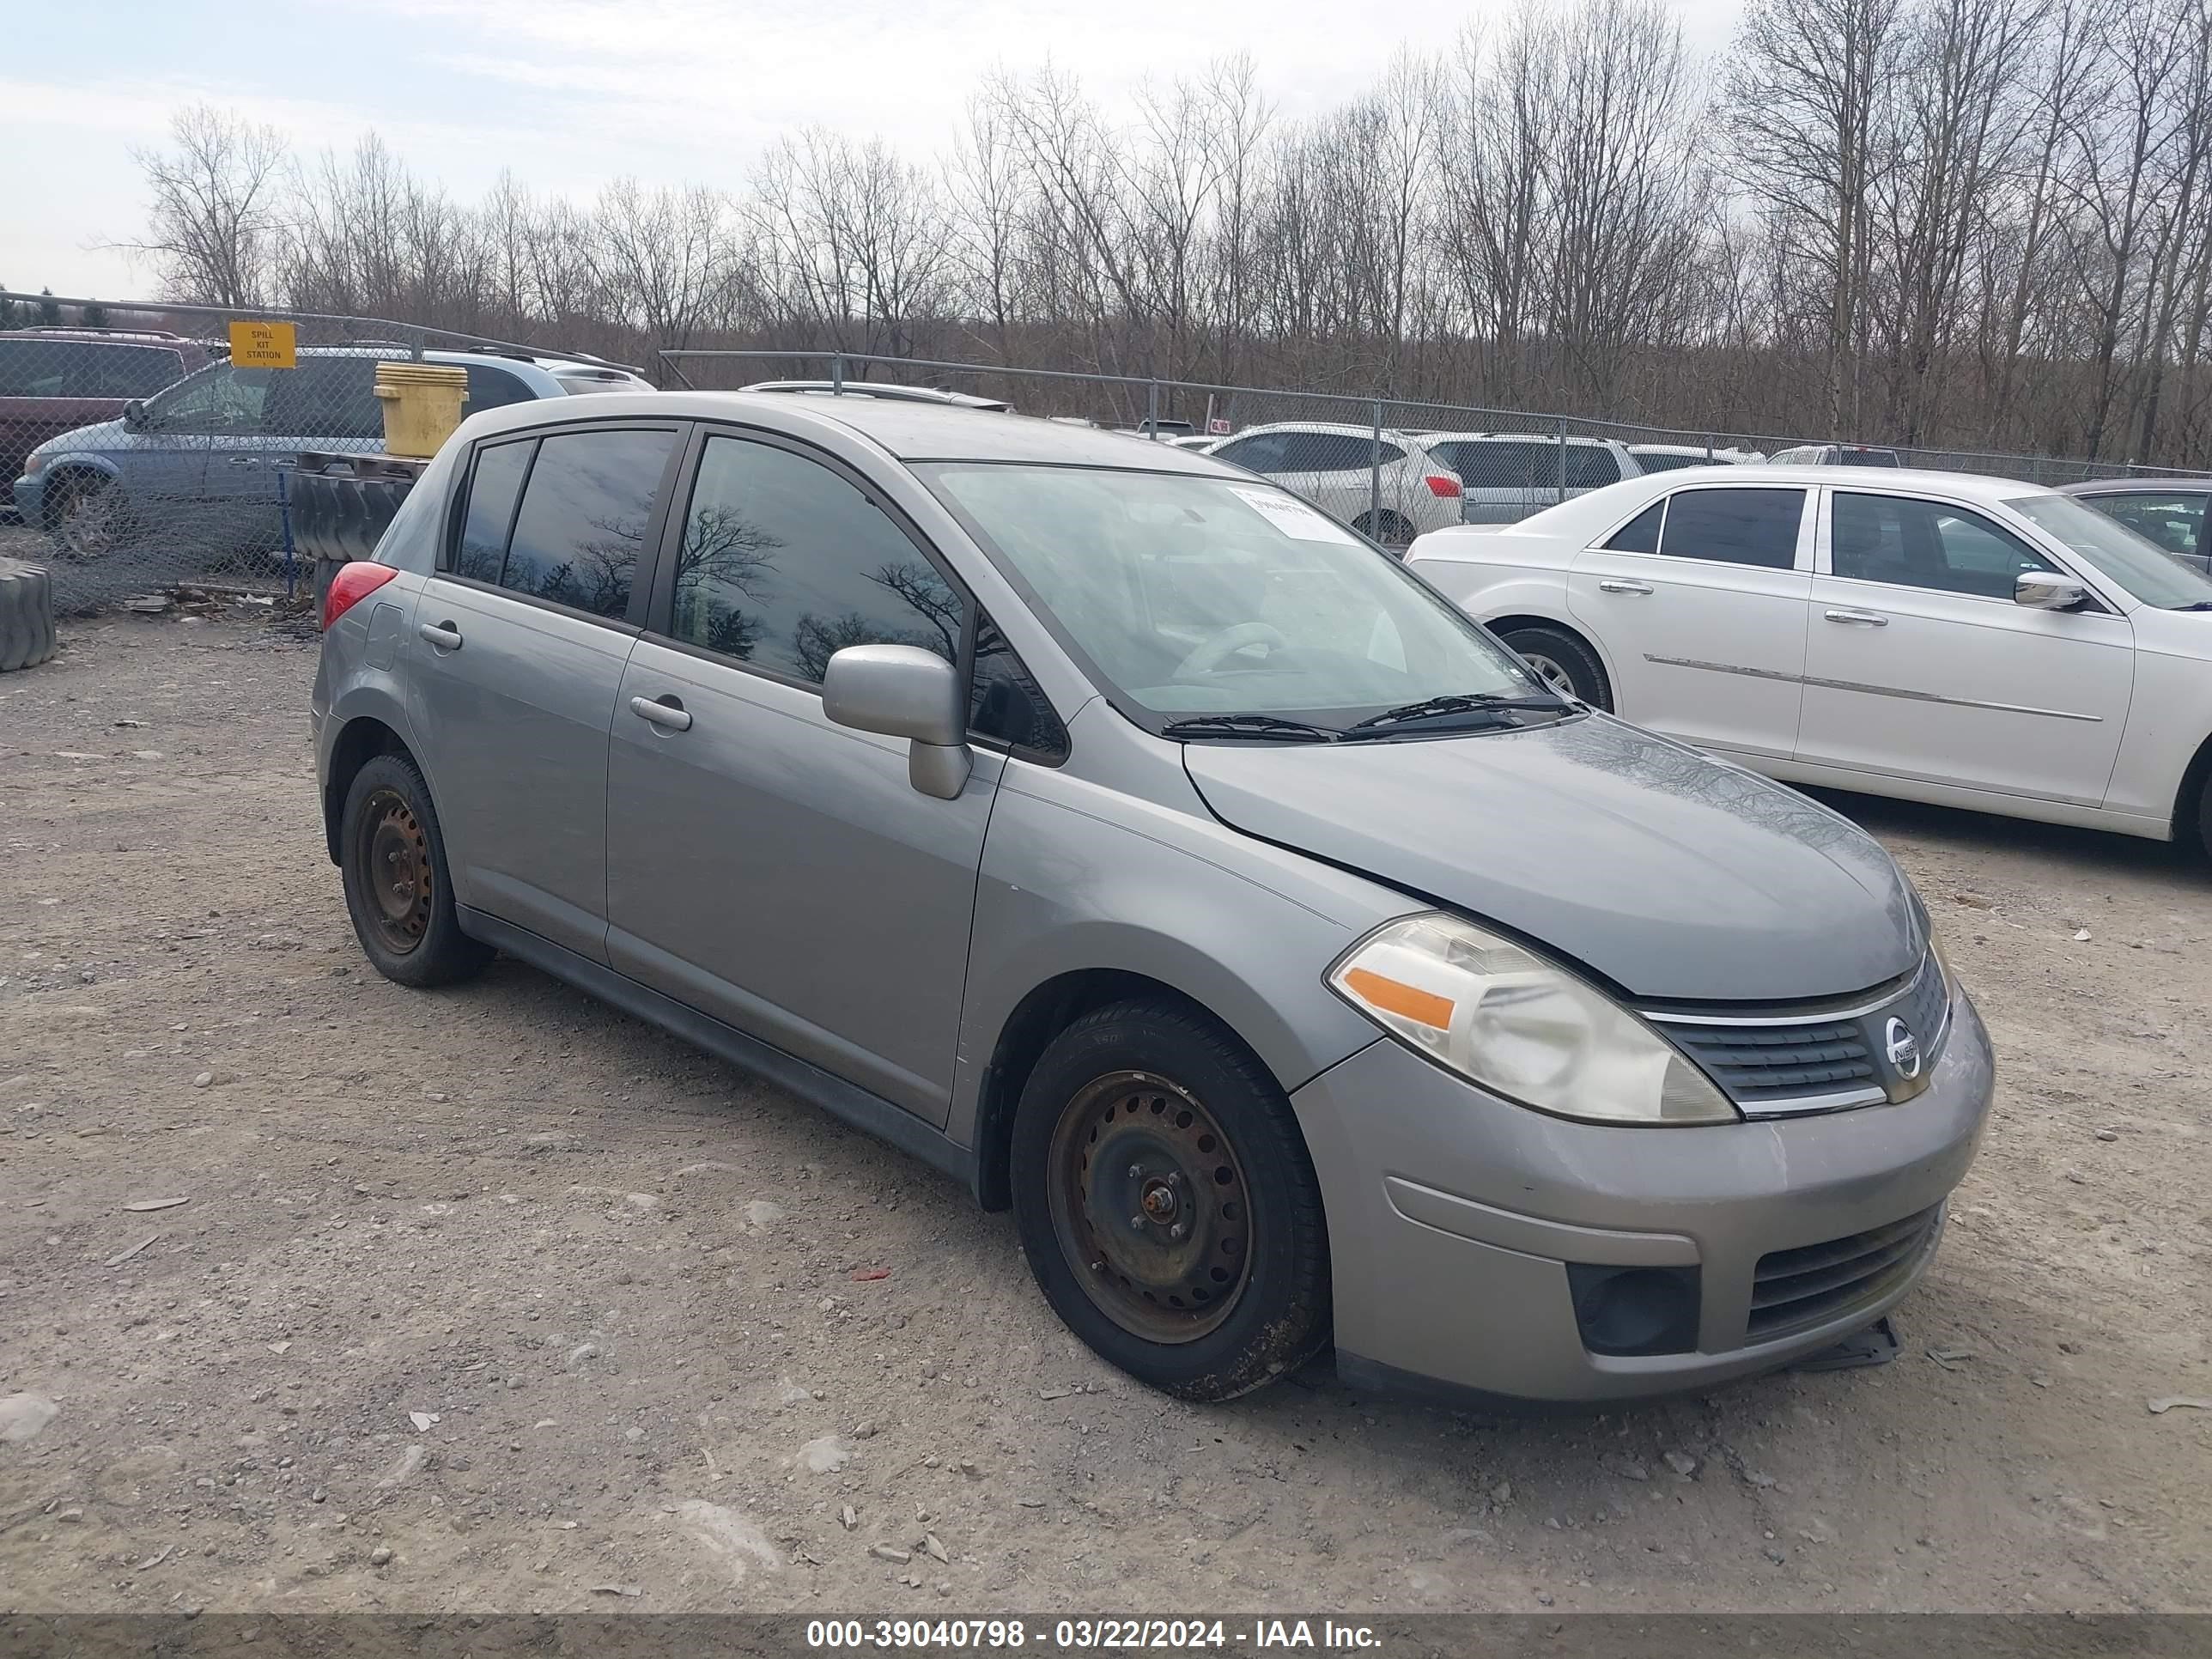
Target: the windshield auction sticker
(1292, 518)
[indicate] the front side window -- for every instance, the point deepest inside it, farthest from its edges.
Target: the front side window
(1918, 544)
(1004, 704)
(784, 563)
(1734, 527)
(582, 523)
(218, 401)
(1188, 596)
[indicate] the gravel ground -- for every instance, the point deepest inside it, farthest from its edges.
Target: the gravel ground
(497, 1299)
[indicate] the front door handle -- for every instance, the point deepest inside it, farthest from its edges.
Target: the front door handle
(1623, 585)
(1857, 618)
(444, 635)
(667, 713)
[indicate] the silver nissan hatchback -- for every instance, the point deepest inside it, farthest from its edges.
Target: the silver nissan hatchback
(1134, 843)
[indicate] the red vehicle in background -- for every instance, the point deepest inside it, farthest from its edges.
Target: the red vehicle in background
(53, 380)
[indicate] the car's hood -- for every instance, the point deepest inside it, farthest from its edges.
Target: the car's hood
(103, 434)
(1676, 876)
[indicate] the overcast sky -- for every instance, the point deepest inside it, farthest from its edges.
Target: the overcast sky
(572, 93)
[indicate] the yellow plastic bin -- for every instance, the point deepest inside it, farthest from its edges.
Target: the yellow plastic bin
(422, 405)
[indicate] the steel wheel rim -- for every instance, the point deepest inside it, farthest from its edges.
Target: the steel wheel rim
(1551, 673)
(1149, 1206)
(392, 853)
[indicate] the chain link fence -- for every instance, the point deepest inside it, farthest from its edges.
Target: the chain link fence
(142, 454)
(1380, 463)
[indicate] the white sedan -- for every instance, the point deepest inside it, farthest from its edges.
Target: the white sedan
(1972, 641)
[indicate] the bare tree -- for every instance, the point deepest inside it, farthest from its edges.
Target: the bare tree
(214, 226)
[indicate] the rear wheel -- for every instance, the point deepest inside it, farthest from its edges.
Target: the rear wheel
(1166, 1203)
(2204, 817)
(1388, 528)
(1563, 662)
(398, 892)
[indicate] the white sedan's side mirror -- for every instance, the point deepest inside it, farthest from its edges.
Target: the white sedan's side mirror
(2046, 590)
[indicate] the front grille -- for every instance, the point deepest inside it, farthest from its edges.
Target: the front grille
(1824, 1059)
(1791, 1290)
(1760, 1063)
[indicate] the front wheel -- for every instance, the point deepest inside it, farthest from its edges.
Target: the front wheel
(1562, 662)
(1167, 1204)
(90, 522)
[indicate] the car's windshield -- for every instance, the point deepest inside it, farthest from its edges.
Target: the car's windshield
(2135, 562)
(1215, 597)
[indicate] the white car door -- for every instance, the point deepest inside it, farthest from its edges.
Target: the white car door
(1920, 665)
(1698, 603)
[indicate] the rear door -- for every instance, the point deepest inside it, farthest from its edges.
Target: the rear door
(1919, 665)
(517, 657)
(768, 867)
(325, 403)
(1700, 603)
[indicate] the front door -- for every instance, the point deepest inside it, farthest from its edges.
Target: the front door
(1698, 603)
(765, 866)
(1921, 666)
(518, 649)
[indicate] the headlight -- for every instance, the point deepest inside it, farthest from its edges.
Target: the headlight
(1515, 1024)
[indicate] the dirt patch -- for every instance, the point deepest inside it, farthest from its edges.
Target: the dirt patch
(497, 1299)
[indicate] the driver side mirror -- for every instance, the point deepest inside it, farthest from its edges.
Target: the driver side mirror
(904, 691)
(2046, 590)
(134, 415)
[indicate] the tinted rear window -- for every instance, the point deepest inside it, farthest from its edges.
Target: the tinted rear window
(584, 516)
(1736, 526)
(85, 369)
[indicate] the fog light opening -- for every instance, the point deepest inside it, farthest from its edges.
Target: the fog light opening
(1635, 1310)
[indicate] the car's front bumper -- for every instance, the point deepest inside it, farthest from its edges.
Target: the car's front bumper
(30, 494)
(1453, 1216)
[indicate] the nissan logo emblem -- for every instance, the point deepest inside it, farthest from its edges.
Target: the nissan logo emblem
(1903, 1049)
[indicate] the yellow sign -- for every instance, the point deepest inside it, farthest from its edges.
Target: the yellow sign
(264, 345)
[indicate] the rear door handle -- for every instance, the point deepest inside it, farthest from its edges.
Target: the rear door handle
(667, 712)
(444, 635)
(1857, 618)
(1622, 585)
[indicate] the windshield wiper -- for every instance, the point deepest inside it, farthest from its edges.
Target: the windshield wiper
(1266, 727)
(1461, 702)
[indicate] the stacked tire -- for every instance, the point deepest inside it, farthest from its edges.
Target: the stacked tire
(27, 615)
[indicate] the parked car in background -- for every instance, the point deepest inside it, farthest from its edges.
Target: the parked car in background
(1835, 455)
(1505, 476)
(198, 461)
(1334, 468)
(1667, 458)
(53, 380)
(2168, 512)
(1967, 640)
(1120, 835)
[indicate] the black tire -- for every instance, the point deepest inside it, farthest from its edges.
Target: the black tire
(1194, 1130)
(88, 520)
(389, 825)
(2204, 817)
(1390, 529)
(27, 615)
(1563, 662)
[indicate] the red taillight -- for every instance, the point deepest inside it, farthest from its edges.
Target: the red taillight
(1441, 484)
(354, 583)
